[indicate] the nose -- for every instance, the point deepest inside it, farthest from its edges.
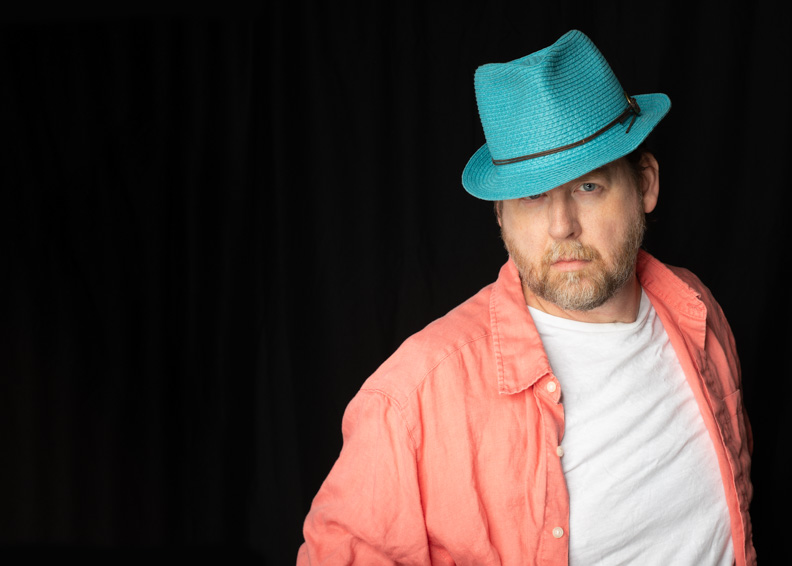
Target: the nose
(563, 221)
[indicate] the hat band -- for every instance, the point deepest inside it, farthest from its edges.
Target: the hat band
(633, 109)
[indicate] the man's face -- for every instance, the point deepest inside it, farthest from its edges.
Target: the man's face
(576, 245)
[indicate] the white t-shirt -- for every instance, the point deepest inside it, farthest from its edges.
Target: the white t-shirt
(643, 477)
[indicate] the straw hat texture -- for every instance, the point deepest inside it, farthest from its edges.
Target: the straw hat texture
(552, 116)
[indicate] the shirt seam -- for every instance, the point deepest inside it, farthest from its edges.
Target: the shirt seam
(400, 412)
(401, 407)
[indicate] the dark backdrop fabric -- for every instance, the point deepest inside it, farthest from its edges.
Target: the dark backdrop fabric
(216, 227)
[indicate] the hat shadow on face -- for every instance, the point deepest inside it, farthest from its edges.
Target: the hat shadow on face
(552, 116)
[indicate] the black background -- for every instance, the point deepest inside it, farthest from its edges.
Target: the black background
(216, 226)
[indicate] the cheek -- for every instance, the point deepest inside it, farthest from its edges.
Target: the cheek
(525, 248)
(611, 233)
(517, 231)
(520, 227)
(607, 235)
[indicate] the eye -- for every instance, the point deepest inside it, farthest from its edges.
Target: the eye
(589, 187)
(533, 197)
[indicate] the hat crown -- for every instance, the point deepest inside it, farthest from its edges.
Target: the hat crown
(552, 116)
(551, 98)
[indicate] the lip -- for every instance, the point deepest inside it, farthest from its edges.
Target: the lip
(570, 264)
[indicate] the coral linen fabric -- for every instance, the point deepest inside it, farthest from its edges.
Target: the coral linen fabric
(449, 452)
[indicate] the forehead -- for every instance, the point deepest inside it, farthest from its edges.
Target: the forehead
(609, 174)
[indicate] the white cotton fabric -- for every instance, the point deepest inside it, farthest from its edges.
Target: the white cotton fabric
(642, 473)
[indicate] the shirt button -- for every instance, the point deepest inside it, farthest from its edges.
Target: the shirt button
(551, 386)
(560, 451)
(558, 532)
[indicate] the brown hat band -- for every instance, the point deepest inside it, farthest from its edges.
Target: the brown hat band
(633, 109)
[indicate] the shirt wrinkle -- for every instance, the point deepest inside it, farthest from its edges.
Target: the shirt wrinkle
(511, 328)
(449, 489)
(673, 289)
(400, 412)
(428, 373)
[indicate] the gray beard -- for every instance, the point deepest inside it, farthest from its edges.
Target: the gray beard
(581, 290)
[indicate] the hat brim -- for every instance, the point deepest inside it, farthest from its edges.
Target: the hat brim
(484, 180)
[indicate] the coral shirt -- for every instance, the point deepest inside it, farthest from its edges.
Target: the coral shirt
(450, 448)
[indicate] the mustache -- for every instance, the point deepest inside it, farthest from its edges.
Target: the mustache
(573, 250)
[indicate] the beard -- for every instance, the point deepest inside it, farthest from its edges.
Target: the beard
(587, 288)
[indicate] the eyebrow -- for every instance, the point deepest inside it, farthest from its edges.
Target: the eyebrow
(605, 171)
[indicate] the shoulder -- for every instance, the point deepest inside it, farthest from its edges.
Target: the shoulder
(425, 353)
(675, 284)
(683, 291)
(692, 280)
(703, 292)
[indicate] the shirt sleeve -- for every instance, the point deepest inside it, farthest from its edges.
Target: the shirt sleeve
(368, 511)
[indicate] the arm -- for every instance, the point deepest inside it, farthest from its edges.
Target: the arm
(368, 510)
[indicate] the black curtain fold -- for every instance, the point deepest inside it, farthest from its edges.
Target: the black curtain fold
(217, 227)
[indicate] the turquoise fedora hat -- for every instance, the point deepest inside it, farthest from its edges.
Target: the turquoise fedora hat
(552, 116)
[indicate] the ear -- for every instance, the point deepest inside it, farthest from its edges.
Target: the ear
(650, 186)
(498, 206)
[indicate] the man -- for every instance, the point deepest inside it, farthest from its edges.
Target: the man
(586, 407)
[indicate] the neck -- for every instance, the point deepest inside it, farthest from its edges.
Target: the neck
(621, 307)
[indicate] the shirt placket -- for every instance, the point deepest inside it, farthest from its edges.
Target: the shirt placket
(554, 540)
